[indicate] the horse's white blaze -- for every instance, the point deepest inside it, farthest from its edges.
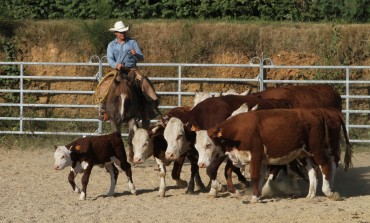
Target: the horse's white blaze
(206, 148)
(177, 144)
(122, 107)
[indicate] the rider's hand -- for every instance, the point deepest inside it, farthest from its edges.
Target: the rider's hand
(133, 51)
(119, 66)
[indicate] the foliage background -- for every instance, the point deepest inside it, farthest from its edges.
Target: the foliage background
(275, 10)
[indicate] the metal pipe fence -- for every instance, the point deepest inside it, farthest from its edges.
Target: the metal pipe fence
(22, 111)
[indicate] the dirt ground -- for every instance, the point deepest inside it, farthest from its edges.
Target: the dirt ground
(32, 191)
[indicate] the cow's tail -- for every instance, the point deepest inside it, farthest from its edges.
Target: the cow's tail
(348, 153)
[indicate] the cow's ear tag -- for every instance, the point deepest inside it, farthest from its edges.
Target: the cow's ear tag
(193, 128)
(78, 147)
(219, 133)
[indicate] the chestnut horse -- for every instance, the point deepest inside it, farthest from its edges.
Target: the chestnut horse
(126, 103)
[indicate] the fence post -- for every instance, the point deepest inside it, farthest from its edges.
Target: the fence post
(347, 100)
(262, 74)
(179, 86)
(98, 77)
(21, 98)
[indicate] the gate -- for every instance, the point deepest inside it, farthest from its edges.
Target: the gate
(35, 104)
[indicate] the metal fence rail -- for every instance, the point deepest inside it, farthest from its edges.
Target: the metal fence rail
(358, 131)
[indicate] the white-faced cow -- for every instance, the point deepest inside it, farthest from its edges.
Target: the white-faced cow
(273, 137)
(151, 142)
(82, 154)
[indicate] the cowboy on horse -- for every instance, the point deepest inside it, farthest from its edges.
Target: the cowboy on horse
(123, 53)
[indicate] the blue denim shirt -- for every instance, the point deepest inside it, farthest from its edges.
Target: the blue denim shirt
(121, 53)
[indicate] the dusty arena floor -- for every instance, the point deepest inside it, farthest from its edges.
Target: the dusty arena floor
(32, 191)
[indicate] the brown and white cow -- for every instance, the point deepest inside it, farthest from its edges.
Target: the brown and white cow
(203, 95)
(206, 114)
(82, 154)
(273, 137)
(150, 142)
(305, 96)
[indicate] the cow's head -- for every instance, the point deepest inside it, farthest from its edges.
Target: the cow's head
(62, 157)
(175, 135)
(201, 96)
(207, 148)
(143, 145)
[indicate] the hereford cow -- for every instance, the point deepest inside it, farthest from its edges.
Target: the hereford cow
(305, 96)
(214, 110)
(276, 137)
(150, 142)
(83, 153)
(206, 114)
(203, 95)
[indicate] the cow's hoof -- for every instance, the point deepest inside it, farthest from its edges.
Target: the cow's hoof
(110, 194)
(77, 190)
(190, 192)
(255, 199)
(212, 193)
(336, 196)
(237, 195)
(202, 188)
(217, 186)
(310, 196)
(82, 196)
(181, 183)
(161, 194)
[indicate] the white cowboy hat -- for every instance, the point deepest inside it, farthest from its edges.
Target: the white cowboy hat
(119, 27)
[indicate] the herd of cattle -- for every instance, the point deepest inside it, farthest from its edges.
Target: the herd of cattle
(296, 127)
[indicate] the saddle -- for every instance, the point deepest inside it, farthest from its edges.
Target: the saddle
(130, 75)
